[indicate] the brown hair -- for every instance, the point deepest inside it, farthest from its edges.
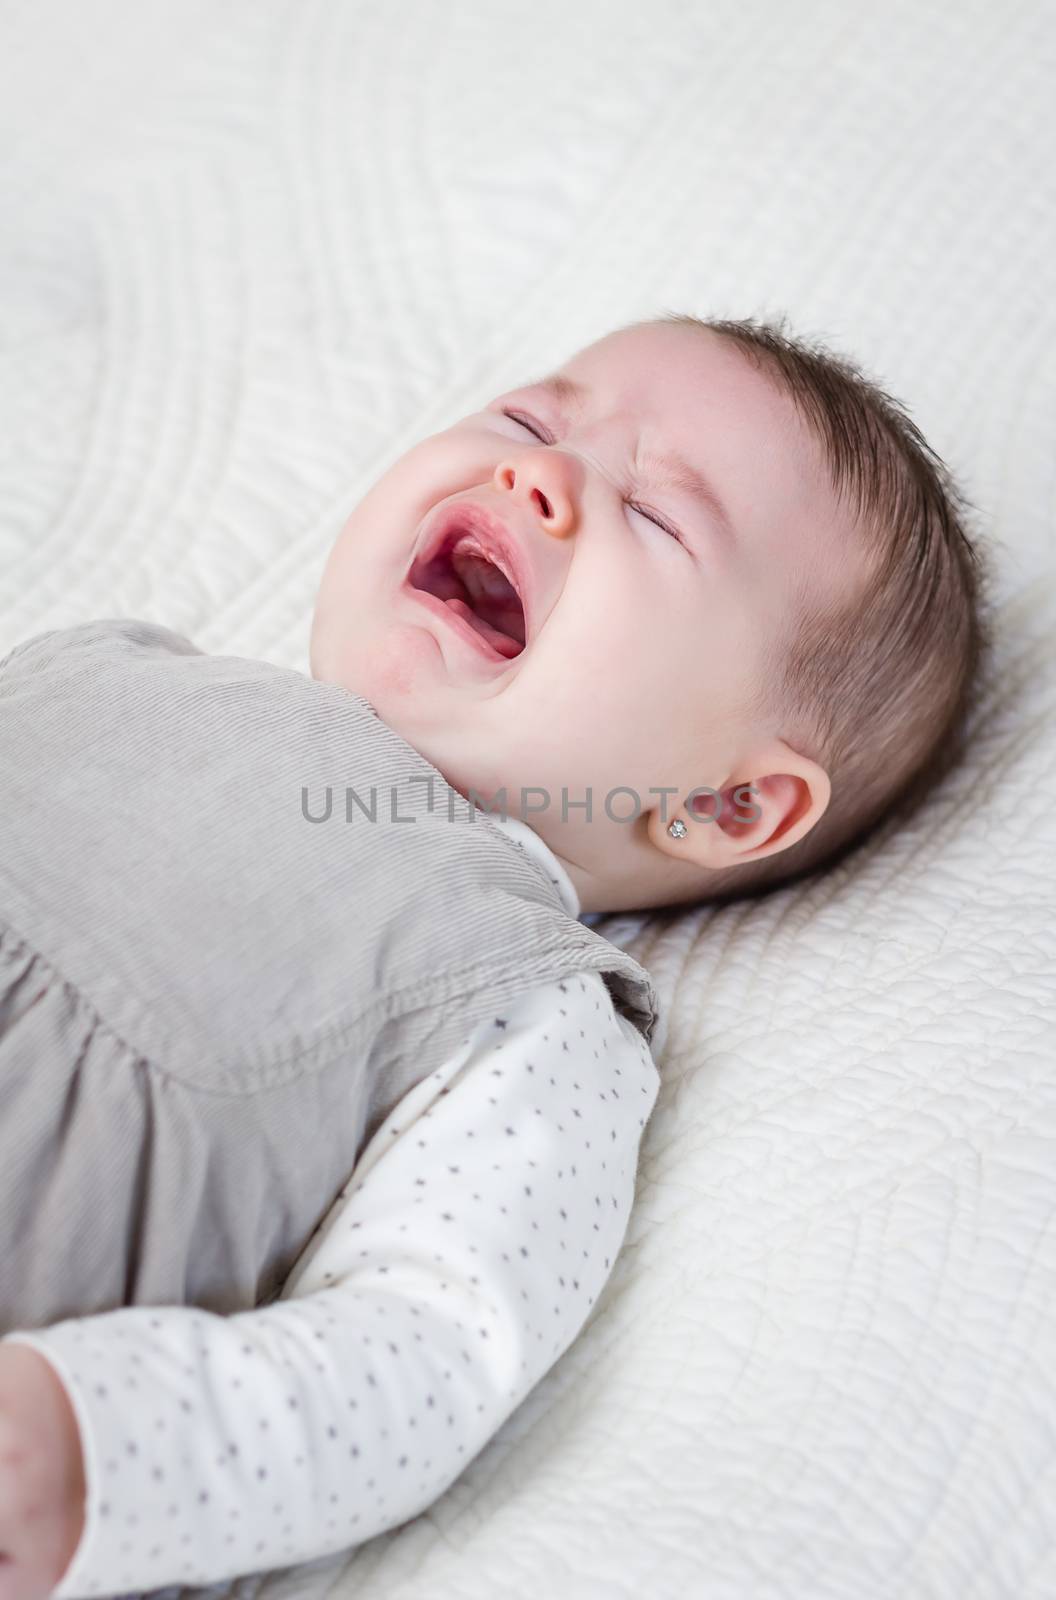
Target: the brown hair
(878, 688)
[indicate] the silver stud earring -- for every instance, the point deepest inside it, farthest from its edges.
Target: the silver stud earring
(677, 829)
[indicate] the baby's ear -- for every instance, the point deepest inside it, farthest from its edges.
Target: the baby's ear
(775, 809)
(749, 818)
(761, 813)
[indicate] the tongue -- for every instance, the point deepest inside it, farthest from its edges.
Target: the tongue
(498, 641)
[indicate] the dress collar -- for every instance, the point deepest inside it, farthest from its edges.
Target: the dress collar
(530, 841)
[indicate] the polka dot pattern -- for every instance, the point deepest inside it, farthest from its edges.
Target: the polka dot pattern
(463, 1258)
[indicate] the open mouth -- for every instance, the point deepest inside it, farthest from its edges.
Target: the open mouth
(469, 583)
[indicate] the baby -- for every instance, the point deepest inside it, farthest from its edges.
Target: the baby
(330, 1138)
(801, 548)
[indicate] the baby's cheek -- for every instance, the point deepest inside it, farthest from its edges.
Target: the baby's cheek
(380, 668)
(396, 663)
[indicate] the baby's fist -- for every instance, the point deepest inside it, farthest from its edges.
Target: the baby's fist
(41, 1476)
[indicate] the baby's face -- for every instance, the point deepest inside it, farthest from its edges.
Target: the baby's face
(646, 601)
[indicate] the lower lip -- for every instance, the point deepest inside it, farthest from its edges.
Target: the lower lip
(460, 626)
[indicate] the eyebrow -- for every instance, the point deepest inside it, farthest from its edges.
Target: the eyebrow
(673, 470)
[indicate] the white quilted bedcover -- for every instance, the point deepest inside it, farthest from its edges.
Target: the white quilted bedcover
(252, 251)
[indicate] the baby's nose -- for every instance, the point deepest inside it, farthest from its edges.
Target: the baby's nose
(554, 512)
(548, 498)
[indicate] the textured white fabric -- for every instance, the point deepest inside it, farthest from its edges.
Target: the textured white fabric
(253, 253)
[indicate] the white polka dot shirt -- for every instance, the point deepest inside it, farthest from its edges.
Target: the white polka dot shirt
(462, 1259)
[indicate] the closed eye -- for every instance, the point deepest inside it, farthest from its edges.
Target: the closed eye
(651, 516)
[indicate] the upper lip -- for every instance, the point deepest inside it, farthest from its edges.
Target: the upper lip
(496, 540)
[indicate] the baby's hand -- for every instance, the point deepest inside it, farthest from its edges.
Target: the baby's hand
(41, 1476)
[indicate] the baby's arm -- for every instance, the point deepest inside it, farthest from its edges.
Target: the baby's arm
(474, 1237)
(41, 1476)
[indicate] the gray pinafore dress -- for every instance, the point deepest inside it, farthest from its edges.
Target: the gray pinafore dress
(219, 972)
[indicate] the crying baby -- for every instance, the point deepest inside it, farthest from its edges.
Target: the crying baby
(699, 606)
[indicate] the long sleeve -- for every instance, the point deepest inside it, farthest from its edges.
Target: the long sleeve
(460, 1262)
